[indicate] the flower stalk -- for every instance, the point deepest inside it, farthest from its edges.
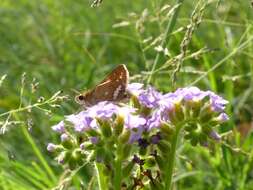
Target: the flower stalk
(171, 160)
(102, 183)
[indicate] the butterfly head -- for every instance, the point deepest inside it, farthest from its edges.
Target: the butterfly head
(81, 99)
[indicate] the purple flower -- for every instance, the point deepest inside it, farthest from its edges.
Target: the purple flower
(135, 88)
(155, 120)
(150, 98)
(94, 140)
(51, 147)
(222, 117)
(138, 160)
(214, 135)
(135, 124)
(143, 143)
(155, 138)
(59, 127)
(64, 137)
(82, 121)
(102, 110)
(218, 103)
(191, 93)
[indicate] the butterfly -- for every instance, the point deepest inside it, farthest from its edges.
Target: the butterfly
(112, 88)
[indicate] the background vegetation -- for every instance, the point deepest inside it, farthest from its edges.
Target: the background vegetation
(68, 46)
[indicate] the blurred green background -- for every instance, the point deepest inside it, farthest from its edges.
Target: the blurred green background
(69, 46)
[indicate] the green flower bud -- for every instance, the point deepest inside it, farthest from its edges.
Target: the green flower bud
(67, 143)
(143, 151)
(72, 163)
(105, 128)
(164, 146)
(64, 157)
(124, 137)
(206, 114)
(160, 162)
(119, 124)
(92, 132)
(179, 112)
(126, 150)
(135, 101)
(87, 146)
(194, 141)
(193, 108)
(167, 130)
(145, 111)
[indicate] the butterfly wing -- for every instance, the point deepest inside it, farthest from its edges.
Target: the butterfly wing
(112, 88)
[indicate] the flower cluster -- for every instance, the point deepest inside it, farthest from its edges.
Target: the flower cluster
(139, 132)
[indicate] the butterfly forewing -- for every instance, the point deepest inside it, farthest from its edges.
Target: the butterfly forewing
(112, 88)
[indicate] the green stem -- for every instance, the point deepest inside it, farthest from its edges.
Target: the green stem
(100, 176)
(118, 170)
(171, 161)
(166, 37)
(118, 175)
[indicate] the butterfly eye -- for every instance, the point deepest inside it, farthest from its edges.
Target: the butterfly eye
(81, 97)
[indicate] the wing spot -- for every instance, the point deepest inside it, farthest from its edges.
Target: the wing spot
(116, 92)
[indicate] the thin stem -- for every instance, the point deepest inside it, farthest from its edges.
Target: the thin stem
(171, 161)
(101, 178)
(166, 37)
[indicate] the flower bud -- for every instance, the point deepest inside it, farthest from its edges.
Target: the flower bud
(145, 110)
(119, 124)
(179, 113)
(60, 128)
(219, 119)
(105, 127)
(166, 130)
(52, 147)
(214, 135)
(66, 141)
(160, 162)
(124, 137)
(72, 163)
(92, 132)
(164, 146)
(94, 140)
(193, 108)
(206, 114)
(143, 151)
(86, 146)
(63, 157)
(126, 150)
(154, 139)
(135, 101)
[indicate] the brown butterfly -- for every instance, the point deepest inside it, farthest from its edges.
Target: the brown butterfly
(112, 88)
